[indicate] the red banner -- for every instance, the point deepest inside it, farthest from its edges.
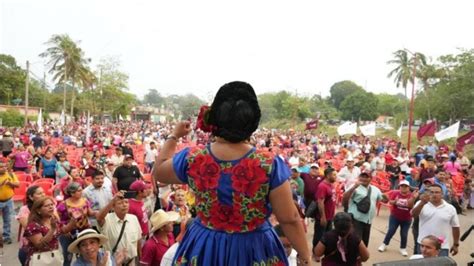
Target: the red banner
(312, 124)
(464, 140)
(427, 130)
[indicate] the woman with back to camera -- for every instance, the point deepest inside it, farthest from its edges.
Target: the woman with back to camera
(341, 246)
(236, 188)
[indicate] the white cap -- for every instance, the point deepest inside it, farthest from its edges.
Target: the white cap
(349, 158)
(314, 165)
(404, 182)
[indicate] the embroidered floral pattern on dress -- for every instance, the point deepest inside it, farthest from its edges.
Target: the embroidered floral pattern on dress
(250, 184)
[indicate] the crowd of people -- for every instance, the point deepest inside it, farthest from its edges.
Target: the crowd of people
(117, 194)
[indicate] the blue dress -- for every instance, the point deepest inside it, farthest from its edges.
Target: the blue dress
(232, 205)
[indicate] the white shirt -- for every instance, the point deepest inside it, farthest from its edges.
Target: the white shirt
(116, 159)
(349, 177)
(150, 155)
(437, 221)
(292, 258)
(131, 235)
(167, 259)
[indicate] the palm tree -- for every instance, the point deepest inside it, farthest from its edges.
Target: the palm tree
(66, 62)
(402, 71)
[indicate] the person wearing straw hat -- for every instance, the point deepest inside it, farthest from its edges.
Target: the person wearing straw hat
(87, 245)
(162, 239)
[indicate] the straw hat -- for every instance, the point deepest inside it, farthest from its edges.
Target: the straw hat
(85, 234)
(160, 218)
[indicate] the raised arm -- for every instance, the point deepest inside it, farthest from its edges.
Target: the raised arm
(163, 170)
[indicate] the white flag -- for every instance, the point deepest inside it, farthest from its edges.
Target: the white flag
(449, 132)
(347, 128)
(399, 131)
(368, 130)
(120, 117)
(40, 121)
(62, 119)
(88, 129)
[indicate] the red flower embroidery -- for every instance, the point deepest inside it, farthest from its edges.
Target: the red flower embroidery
(248, 176)
(224, 217)
(256, 205)
(205, 171)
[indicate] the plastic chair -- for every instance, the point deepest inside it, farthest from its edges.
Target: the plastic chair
(25, 178)
(47, 187)
(20, 192)
(44, 180)
(380, 203)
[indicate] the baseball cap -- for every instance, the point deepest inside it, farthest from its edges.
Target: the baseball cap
(429, 180)
(404, 182)
(127, 156)
(315, 165)
(138, 186)
(295, 169)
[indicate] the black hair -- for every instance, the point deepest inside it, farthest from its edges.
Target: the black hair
(29, 193)
(97, 173)
(342, 223)
(279, 231)
(328, 171)
(364, 174)
(235, 113)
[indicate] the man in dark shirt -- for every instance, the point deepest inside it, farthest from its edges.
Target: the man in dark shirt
(127, 148)
(125, 174)
(311, 181)
(394, 170)
(38, 141)
(428, 170)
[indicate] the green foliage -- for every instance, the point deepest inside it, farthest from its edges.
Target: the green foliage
(360, 106)
(13, 118)
(154, 98)
(390, 105)
(341, 90)
(451, 97)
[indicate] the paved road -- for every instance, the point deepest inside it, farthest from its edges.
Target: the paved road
(379, 228)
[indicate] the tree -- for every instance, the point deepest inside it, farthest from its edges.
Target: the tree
(67, 63)
(12, 79)
(153, 97)
(402, 71)
(342, 89)
(390, 105)
(359, 106)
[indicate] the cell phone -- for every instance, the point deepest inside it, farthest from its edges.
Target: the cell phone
(130, 194)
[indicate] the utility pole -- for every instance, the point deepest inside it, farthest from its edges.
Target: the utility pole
(27, 84)
(412, 101)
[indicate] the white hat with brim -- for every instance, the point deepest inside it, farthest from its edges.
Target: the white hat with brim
(85, 234)
(160, 218)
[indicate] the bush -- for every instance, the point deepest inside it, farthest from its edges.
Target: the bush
(13, 118)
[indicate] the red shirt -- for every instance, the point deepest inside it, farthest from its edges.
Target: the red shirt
(137, 208)
(400, 210)
(389, 159)
(310, 185)
(327, 192)
(154, 249)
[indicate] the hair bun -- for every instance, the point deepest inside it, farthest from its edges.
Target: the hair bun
(235, 112)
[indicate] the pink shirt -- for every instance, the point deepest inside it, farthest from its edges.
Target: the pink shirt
(21, 159)
(23, 213)
(452, 168)
(138, 209)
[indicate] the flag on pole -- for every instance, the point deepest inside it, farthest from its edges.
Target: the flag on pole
(368, 130)
(120, 117)
(40, 121)
(464, 140)
(449, 132)
(399, 131)
(427, 129)
(88, 129)
(62, 118)
(313, 124)
(347, 128)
